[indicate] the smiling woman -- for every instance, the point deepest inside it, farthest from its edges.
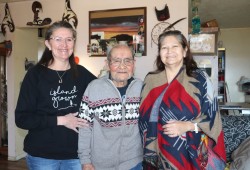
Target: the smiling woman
(49, 100)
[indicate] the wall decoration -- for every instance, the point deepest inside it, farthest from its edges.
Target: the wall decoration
(69, 15)
(7, 21)
(6, 48)
(37, 21)
(203, 44)
(123, 26)
(162, 27)
(163, 14)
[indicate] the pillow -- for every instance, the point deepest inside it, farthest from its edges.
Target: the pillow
(236, 129)
(241, 156)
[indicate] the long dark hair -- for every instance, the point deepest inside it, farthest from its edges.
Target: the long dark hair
(189, 62)
(47, 57)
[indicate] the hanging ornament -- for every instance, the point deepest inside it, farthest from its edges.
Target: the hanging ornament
(37, 21)
(163, 14)
(69, 15)
(162, 27)
(196, 21)
(8, 47)
(7, 21)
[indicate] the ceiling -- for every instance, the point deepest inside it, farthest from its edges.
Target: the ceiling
(228, 13)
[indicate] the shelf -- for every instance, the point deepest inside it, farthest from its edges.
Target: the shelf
(221, 49)
(206, 30)
(33, 27)
(221, 74)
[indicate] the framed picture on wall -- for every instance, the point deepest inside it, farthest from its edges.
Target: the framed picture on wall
(203, 43)
(117, 26)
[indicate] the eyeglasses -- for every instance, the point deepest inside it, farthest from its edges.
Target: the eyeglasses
(60, 40)
(126, 61)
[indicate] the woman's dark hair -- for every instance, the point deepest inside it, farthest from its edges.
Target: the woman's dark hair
(47, 57)
(189, 62)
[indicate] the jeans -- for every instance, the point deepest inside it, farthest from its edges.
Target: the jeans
(137, 167)
(37, 163)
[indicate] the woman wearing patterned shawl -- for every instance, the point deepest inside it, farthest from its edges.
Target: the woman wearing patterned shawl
(179, 119)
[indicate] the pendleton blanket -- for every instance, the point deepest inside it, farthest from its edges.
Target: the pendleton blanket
(186, 99)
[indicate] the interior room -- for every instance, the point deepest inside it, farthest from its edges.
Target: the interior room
(227, 62)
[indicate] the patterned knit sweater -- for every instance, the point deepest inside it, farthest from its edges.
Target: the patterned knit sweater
(112, 141)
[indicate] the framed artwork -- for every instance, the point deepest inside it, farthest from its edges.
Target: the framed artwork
(203, 44)
(117, 26)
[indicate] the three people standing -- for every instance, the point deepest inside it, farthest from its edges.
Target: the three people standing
(179, 119)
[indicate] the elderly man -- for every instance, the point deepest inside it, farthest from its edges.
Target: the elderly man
(110, 104)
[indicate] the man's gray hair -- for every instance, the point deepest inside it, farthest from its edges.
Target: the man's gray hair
(117, 47)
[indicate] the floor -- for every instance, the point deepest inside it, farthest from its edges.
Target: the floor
(10, 165)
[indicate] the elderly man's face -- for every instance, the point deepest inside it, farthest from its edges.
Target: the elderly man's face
(121, 65)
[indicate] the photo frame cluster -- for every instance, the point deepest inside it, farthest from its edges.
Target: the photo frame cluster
(117, 26)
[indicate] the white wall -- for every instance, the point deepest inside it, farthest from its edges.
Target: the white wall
(21, 14)
(15, 73)
(237, 44)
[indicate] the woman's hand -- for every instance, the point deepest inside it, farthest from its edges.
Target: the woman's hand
(72, 122)
(88, 167)
(174, 128)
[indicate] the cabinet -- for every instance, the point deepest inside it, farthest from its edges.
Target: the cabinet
(222, 93)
